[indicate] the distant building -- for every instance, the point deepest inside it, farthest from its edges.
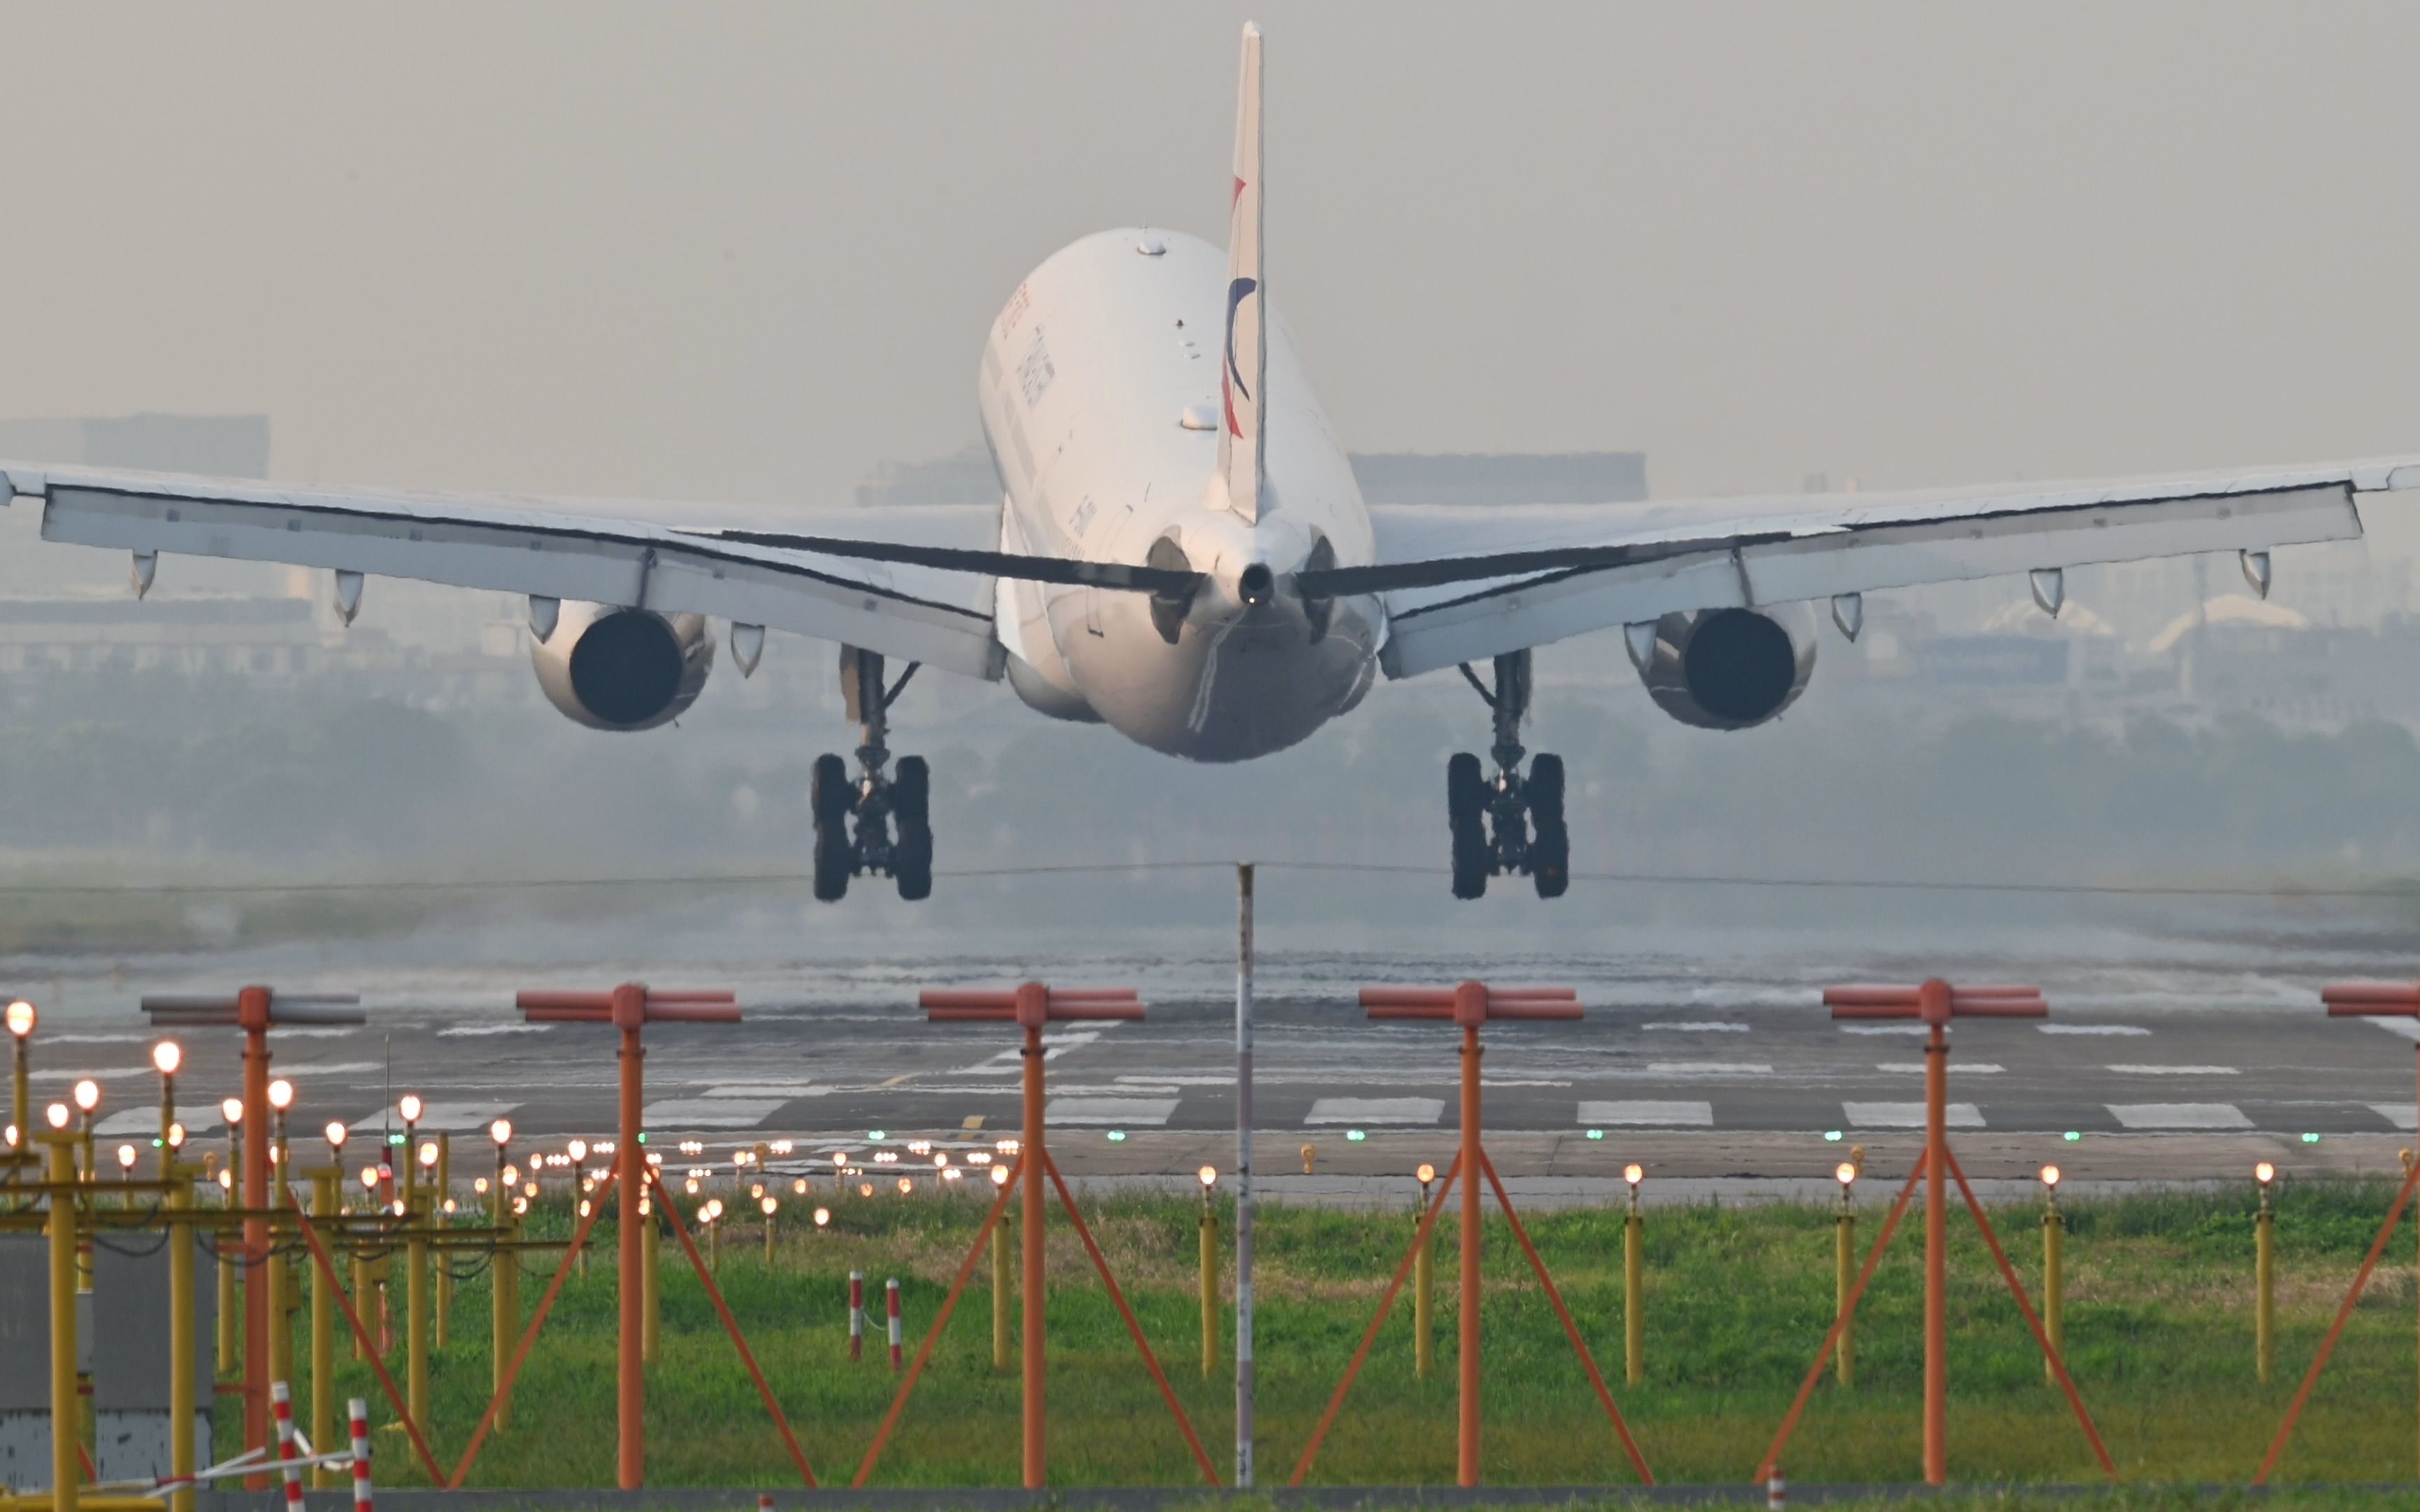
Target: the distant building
(967, 477)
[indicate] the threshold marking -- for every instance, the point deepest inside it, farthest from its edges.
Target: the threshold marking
(2401, 1115)
(2173, 1070)
(2178, 1115)
(1708, 1067)
(1691, 1115)
(1420, 1110)
(1909, 1114)
(2091, 1029)
(710, 1113)
(1133, 1111)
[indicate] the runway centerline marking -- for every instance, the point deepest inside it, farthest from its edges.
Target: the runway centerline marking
(437, 1117)
(1909, 1114)
(1415, 1110)
(1698, 1114)
(1134, 1111)
(2091, 1029)
(1882, 1029)
(1966, 1068)
(1697, 1028)
(2178, 1115)
(1708, 1067)
(786, 1090)
(2173, 1070)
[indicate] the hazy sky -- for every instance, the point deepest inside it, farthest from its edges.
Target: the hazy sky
(750, 251)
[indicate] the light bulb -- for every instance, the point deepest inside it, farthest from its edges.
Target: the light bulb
(1633, 1173)
(769, 1205)
(57, 1114)
(2050, 1176)
(20, 1017)
(579, 1149)
(87, 1094)
(823, 1216)
(1844, 1173)
(1000, 1176)
(126, 1157)
(231, 1109)
(166, 1057)
(281, 1094)
(176, 1137)
(335, 1134)
(2264, 1173)
(501, 1131)
(410, 1106)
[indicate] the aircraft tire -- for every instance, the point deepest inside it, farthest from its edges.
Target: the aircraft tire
(1466, 792)
(1550, 859)
(1544, 791)
(830, 795)
(911, 794)
(834, 861)
(912, 859)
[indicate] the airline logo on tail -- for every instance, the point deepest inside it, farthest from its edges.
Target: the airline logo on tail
(1232, 380)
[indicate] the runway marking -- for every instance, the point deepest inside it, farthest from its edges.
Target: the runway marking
(1966, 1068)
(1183, 1081)
(1377, 1110)
(2402, 1028)
(2091, 1029)
(974, 1120)
(45, 1075)
(784, 1090)
(346, 1068)
(440, 1117)
(708, 1113)
(1132, 1111)
(1011, 1060)
(896, 1080)
(1908, 1115)
(2178, 1115)
(1697, 1029)
(2401, 1115)
(1708, 1067)
(1882, 1029)
(466, 1030)
(2173, 1070)
(1120, 1087)
(1700, 1115)
(146, 1122)
(93, 1038)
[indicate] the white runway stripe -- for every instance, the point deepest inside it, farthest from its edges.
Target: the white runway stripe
(1416, 1110)
(1957, 1068)
(1708, 1067)
(2172, 1071)
(2091, 1029)
(1133, 1112)
(2402, 1028)
(146, 1122)
(709, 1112)
(1697, 1029)
(1698, 1114)
(784, 1090)
(1882, 1029)
(2178, 1115)
(1908, 1115)
(2401, 1115)
(437, 1117)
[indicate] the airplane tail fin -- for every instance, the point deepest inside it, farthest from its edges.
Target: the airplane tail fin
(1247, 351)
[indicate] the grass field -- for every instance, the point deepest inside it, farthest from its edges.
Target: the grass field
(2158, 1332)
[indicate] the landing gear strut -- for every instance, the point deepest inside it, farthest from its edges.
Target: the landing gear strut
(1524, 814)
(876, 826)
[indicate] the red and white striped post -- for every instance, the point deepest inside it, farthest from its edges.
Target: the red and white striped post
(360, 1411)
(890, 1306)
(281, 1402)
(856, 1314)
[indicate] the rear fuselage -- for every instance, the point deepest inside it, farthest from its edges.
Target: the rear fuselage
(1100, 398)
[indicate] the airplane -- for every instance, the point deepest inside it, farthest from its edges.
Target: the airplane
(1181, 553)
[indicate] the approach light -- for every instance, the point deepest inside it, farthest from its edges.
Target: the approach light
(176, 1137)
(20, 1017)
(501, 1131)
(10, 1136)
(370, 1178)
(87, 1095)
(2050, 1176)
(335, 1134)
(1000, 1176)
(231, 1109)
(1845, 1174)
(1426, 1173)
(447, 1206)
(866, 1189)
(226, 1182)
(691, 1185)
(429, 1152)
(800, 1186)
(1633, 1173)
(823, 1216)
(576, 1149)
(905, 1185)
(166, 1057)
(512, 1175)
(126, 1157)
(281, 1094)
(520, 1206)
(478, 1187)
(2264, 1173)
(410, 1107)
(1207, 1176)
(768, 1204)
(57, 1114)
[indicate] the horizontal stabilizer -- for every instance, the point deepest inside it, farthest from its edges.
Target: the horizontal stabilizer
(1010, 564)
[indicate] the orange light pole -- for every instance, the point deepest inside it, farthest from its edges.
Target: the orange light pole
(1029, 1006)
(1469, 1004)
(1935, 1002)
(626, 1008)
(255, 1009)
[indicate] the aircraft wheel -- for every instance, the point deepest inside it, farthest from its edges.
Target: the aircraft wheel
(1550, 859)
(912, 860)
(830, 795)
(911, 792)
(1545, 790)
(834, 861)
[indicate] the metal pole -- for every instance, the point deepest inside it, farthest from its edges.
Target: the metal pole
(219, 1243)
(1424, 1302)
(1209, 1288)
(1036, 1467)
(1634, 1293)
(415, 1300)
(252, 1011)
(650, 1255)
(365, 1293)
(504, 1298)
(183, 1411)
(1244, 1368)
(1000, 1335)
(1844, 1250)
(281, 1275)
(324, 1337)
(2264, 1285)
(20, 1099)
(2053, 1286)
(630, 1394)
(1936, 1312)
(1467, 1429)
(67, 1408)
(443, 1219)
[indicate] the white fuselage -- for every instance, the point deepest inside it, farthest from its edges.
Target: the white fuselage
(1100, 396)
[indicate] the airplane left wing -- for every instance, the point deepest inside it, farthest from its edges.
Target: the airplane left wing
(913, 582)
(1464, 584)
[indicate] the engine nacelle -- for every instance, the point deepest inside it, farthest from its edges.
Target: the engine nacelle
(1728, 669)
(623, 669)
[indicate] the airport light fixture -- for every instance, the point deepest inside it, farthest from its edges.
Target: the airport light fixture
(22, 1018)
(907, 1185)
(175, 1137)
(167, 1058)
(58, 1115)
(2264, 1173)
(823, 1217)
(88, 1096)
(1633, 1173)
(1597, 1133)
(798, 1187)
(1846, 1174)
(335, 1134)
(1000, 1176)
(126, 1161)
(1207, 1176)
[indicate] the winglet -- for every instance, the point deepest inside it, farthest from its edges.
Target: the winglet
(1247, 365)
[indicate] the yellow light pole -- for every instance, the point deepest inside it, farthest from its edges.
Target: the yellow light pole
(1844, 1263)
(1634, 1280)
(366, 1303)
(22, 1018)
(417, 1298)
(1424, 1289)
(2264, 1275)
(281, 1273)
(1002, 1347)
(231, 1110)
(578, 1150)
(442, 1212)
(650, 1309)
(505, 1271)
(768, 1204)
(327, 1196)
(1209, 1178)
(2054, 1271)
(66, 1404)
(88, 1102)
(184, 1410)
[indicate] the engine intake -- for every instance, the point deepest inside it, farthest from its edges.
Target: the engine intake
(623, 669)
(1728, 669)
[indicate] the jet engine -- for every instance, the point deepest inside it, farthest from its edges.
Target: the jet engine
(1726, 669)
(621, 668)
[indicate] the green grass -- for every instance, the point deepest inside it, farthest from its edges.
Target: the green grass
(2159, 1331)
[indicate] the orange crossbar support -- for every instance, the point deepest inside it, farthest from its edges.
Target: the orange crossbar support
(1370, 1334)
(940, 1321)
(2328, 1345)
(1839, 1322)
(2016, 1289)
(1629, 1444)
(714, 1294)
(1100, 1263)
(369, 1345)
(537, 1320)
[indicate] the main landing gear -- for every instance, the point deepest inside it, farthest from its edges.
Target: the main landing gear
(1525, 813)
(876, 826)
